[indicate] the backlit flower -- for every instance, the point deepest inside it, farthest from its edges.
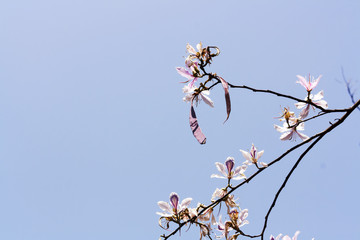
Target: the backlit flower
(174, 207)
(253, 156)
(197, 97)
(310, 84)
(227, 170)
(191, 77)
(316, 99)
(290, 133)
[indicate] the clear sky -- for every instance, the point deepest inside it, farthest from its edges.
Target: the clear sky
(94, 132)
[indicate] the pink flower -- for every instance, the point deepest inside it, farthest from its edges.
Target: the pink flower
(316, 99)
(173, 208)
(309, 85)
(192, 77)
(237, 174)
(253, 156)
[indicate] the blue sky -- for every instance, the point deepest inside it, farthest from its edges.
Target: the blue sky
(94, 131)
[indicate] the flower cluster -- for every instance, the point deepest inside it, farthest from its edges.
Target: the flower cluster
(310, 98)
(292, 124)
(235, 218)
(192, 72)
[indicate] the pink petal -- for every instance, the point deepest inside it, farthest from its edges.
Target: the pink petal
(305, 112)
(303, 82)
(314, 83)
(183, 72)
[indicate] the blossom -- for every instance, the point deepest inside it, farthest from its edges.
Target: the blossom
(207, 216)
(224, 228)
(236, 221)
(193, 52)
(308, 85)
(229, 199)
(253, 156)
(193, 76)
(286, 237)
(192, 95)
(315, 99)
(174, 208)
(237, 174)
(290, 132)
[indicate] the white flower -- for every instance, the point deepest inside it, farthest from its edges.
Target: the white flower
(316, 99)
(290, 133)
(190, 93)
(175, 208)
(253, 156)
(237, 174)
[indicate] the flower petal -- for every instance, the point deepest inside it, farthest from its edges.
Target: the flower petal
(305, 112)
(183, 72)
(246, 155)
(164, 206)
(295, 235)
(303, 82)
(280, 129)
(287, 136)
(302, 136)
(221, 167)
(190, 49)
(206, 99)
(322, 103)
(217, 176)
(185, 203)
(263, 164)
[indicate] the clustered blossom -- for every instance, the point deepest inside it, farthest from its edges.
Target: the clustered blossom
(228, 200)
(236, 221)
(310, 98)
(191, 72)
(291, 127)
(203, 95)
(203, 216)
